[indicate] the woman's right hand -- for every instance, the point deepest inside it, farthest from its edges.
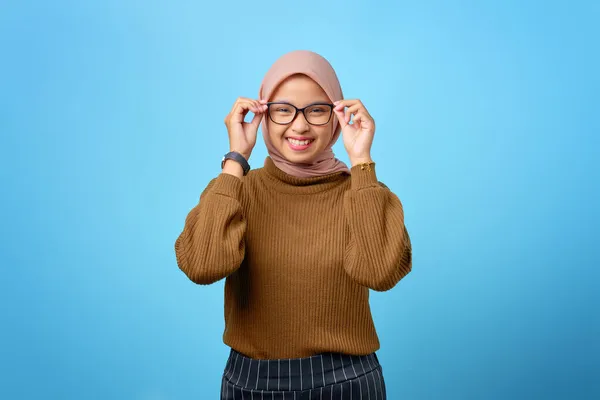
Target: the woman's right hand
(242, 135)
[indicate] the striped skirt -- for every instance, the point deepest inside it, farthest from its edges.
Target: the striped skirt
(326, 376)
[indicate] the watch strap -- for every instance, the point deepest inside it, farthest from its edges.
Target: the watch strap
(234, 155)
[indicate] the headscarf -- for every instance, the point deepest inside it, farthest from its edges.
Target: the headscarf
(320, 70)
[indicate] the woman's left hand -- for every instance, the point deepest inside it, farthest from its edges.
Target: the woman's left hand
(358, 136)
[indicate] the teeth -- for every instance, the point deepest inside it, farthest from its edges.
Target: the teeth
(299, 142)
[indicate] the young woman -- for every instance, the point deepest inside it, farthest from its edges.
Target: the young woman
(300, 241)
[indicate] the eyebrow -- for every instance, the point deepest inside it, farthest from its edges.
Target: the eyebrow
(310, 104)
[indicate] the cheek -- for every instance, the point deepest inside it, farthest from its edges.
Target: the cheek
(325, 134)
(275, 131)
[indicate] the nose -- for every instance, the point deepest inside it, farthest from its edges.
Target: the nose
(299, 123)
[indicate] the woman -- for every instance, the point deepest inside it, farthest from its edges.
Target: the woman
(300, 241)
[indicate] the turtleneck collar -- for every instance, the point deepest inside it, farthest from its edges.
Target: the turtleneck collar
(300, 185)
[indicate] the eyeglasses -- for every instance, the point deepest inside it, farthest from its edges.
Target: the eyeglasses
(284, 113)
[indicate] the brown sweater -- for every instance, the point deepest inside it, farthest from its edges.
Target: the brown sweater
(299, 256)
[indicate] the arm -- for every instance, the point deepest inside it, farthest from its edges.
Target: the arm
(379, 252)
(212, 243)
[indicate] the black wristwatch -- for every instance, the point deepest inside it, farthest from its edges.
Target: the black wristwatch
(234, 155)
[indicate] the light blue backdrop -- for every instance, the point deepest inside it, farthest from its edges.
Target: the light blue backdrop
(111, 123)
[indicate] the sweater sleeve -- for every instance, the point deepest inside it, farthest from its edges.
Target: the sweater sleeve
(378, 252)
(212, 243)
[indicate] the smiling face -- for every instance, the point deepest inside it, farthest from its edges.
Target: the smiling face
(300, 91)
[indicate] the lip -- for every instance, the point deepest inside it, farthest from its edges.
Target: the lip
(299, 137)
(301, 147)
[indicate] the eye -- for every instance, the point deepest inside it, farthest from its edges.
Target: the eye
(283, 109)
(318, 109)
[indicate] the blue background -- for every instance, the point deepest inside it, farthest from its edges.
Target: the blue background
(111, 122)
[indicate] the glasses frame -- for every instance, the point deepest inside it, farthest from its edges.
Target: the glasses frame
(300, 110)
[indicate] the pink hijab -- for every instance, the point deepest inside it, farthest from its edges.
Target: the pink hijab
(317, 68)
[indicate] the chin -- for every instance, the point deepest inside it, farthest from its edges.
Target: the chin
(299, 159)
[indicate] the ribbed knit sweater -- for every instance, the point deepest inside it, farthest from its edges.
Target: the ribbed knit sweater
(299, 256)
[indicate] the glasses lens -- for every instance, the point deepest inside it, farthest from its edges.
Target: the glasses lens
(318, 114)
(281, 113)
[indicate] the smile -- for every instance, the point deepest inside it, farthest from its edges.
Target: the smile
(299, 144)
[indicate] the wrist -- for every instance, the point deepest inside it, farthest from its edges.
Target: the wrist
(245, 154)
(363, 175)
(232, 167)
(360, 160)
(239, 158)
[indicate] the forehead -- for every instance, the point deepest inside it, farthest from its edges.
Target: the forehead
(299, 89)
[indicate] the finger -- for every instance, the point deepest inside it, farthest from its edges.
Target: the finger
(344, 102)
(244, 107)
(241, 100)
(354, 109)
(256, 120)
(240, 111)
(253, 106)
(341, 117)
(263, 103)
(359, 118)
(262, 106)
(248, 104)
(364, 118)
(340, 104)
(347, 116)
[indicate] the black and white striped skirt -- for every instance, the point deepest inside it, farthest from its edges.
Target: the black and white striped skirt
(326, 376)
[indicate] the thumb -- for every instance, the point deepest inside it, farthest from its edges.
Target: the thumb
(341, 116)
(256, 120)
